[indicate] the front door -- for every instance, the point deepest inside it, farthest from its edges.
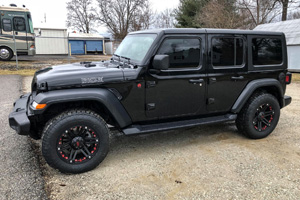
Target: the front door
(180, 90)
(20, 30)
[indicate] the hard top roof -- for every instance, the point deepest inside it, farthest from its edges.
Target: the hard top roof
(11, 8)
(204, 30)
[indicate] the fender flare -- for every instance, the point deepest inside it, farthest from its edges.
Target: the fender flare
(251, 87)
(101, 95)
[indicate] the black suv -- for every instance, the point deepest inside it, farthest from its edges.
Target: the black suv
(156, 80)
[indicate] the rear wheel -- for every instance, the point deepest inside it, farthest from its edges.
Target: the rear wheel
(259, 116)
(5, 53)
(76, 141)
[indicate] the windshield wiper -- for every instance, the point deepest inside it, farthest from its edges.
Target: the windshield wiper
(117, 57)
(126, 59)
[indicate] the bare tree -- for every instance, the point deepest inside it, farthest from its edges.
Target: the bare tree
(80, 15)
(259, 11)
(165, 19)
(219, 14)
(122, 16)
(288, 5)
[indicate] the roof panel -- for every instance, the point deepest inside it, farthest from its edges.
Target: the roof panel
(290, 28)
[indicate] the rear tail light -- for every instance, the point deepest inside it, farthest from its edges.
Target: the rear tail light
(32, 47)
(288, 78)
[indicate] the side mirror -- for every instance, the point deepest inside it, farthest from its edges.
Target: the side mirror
(161, 62)
(40, 32)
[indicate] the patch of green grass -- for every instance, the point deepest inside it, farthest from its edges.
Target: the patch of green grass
(22, 72)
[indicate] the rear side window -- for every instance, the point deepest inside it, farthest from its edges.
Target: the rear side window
(227, 52)
(183, 53)
(19, 24)
(6, 25)
(266, 51)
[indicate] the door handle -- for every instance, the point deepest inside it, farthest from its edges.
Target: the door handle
(195, 81)
(237, 78)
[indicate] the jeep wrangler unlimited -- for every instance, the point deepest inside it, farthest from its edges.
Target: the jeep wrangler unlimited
(156, 80)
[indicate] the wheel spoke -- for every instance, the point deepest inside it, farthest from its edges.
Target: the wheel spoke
(82, 132)
(73, 154)
(265, 121)
(259, 125)
(90, 140)
(65, 146)
(269, 113)
(87, 152)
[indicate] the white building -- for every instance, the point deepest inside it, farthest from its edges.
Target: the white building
(291, 29)
(53, 41)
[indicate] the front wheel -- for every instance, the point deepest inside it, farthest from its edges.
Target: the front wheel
(76, 141)
(5, 53)
(259, 116)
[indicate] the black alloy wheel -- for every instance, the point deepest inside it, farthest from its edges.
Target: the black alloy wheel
(77, 144)
(259, 116)
(263, 117)
(75, 141)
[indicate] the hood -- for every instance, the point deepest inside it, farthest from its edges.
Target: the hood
(84, 74)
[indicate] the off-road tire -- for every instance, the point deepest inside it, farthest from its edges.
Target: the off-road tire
(245, 121)
(53, 131)
(9, 51)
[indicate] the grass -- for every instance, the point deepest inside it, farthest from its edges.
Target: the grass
(22, 72)
(295, 77)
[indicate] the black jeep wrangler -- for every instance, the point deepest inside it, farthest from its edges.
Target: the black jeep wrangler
(156, 80)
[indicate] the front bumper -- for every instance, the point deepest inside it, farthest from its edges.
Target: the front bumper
(18, 119)
(286, 100)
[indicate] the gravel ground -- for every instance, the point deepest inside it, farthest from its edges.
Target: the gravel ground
(20, 175)
(207, 162)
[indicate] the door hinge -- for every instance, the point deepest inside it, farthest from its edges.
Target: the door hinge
(151, 84)
(212, 80)
(150, 106)
(210, 101)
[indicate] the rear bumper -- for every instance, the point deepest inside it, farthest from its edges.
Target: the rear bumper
(18, 119)
(286, 100)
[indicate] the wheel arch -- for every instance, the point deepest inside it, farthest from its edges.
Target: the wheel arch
(271, 86)
(100, 100)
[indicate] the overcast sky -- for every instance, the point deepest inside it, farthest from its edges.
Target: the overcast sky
(56, 12)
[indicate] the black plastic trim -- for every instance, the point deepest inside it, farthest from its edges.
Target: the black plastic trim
(251, 87)
(18, 119)
(103, 96)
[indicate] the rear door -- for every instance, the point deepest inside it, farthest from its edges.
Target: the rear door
(227, 67)
(180, 90)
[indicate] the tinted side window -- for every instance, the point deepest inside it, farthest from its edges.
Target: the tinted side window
(266, 51)
(19, 24)
(227, 52)
(183, 53)
(6, 25)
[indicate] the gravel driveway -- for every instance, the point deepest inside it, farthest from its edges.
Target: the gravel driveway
(207, 162)
(20, 175)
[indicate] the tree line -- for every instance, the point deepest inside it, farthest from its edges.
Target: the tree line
(123, 16)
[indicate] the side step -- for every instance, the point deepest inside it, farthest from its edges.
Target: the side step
(140, 129)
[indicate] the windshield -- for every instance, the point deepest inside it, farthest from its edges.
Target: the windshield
(30, 24)
(136, 46)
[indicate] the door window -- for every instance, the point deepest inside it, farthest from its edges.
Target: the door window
(6, 25)
(19, 24)
(183, 53)
(227, 52)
